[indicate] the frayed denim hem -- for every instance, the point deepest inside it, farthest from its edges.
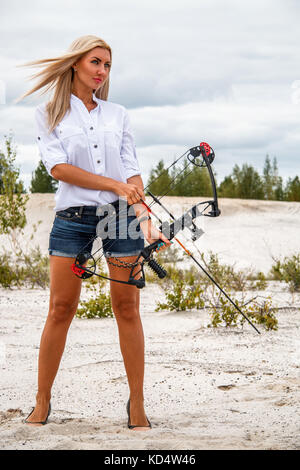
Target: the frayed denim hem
(61, 253)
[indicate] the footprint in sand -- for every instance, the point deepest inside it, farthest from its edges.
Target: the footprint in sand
(226, 387)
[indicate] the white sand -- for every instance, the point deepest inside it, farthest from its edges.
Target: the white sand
(204, 388)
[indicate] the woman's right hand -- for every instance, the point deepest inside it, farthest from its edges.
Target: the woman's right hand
(131, 192)
(152, 234)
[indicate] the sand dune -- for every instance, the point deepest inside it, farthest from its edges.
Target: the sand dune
(204, 388)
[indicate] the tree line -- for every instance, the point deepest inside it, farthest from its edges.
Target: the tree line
(243, 182)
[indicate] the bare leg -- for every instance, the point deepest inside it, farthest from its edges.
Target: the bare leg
(65, 290)
(125, 303)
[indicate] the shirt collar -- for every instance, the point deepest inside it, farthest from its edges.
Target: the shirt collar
(95, 98)
(75, 98)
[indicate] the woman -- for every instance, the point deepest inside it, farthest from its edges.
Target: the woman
(86, 143)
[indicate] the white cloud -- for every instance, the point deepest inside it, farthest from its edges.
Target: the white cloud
(27, 160)
(188, 71)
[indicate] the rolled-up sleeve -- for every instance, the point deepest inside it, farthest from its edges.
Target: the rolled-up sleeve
(128, 150)
(51, 150)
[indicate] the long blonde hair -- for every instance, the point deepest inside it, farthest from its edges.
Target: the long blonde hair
(59, 76)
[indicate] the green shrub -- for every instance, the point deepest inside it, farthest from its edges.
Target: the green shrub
(225, 275)
(224, 313)
(10, 274)
(31, 269)
(288, 271)
(35, 268)
(262, 313)
(257, 282)
(99, 305)
(96, 307)
(190, 289)
(20, 266)
(182, 296)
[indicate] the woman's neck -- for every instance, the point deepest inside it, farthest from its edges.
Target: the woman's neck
(85, 97)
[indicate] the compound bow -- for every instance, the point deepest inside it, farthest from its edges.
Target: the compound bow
(201, 156)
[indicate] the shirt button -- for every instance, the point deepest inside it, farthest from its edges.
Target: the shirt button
(98, 161)
(91, 128)
(95, 146)
(39, 138)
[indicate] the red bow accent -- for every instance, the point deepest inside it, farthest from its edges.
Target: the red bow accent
(77, 270)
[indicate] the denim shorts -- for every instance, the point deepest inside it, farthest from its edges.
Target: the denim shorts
(75, 228)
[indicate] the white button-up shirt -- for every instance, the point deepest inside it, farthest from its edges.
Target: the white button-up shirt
(99, 141)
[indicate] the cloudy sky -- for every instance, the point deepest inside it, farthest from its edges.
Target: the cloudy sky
(222, 71)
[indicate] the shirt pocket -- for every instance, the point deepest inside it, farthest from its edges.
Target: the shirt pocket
(112, 137)
(72, 137)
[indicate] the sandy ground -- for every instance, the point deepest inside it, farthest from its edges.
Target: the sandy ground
(204, 388)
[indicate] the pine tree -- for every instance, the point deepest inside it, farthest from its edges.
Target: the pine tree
(41, 181)
(248, 182)
(227, 188)
(186, 180)
(292, 190)
(279, 191)
(267, 179)
(195, 183)
(272, 183)
(159, 179)
(180, 176)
